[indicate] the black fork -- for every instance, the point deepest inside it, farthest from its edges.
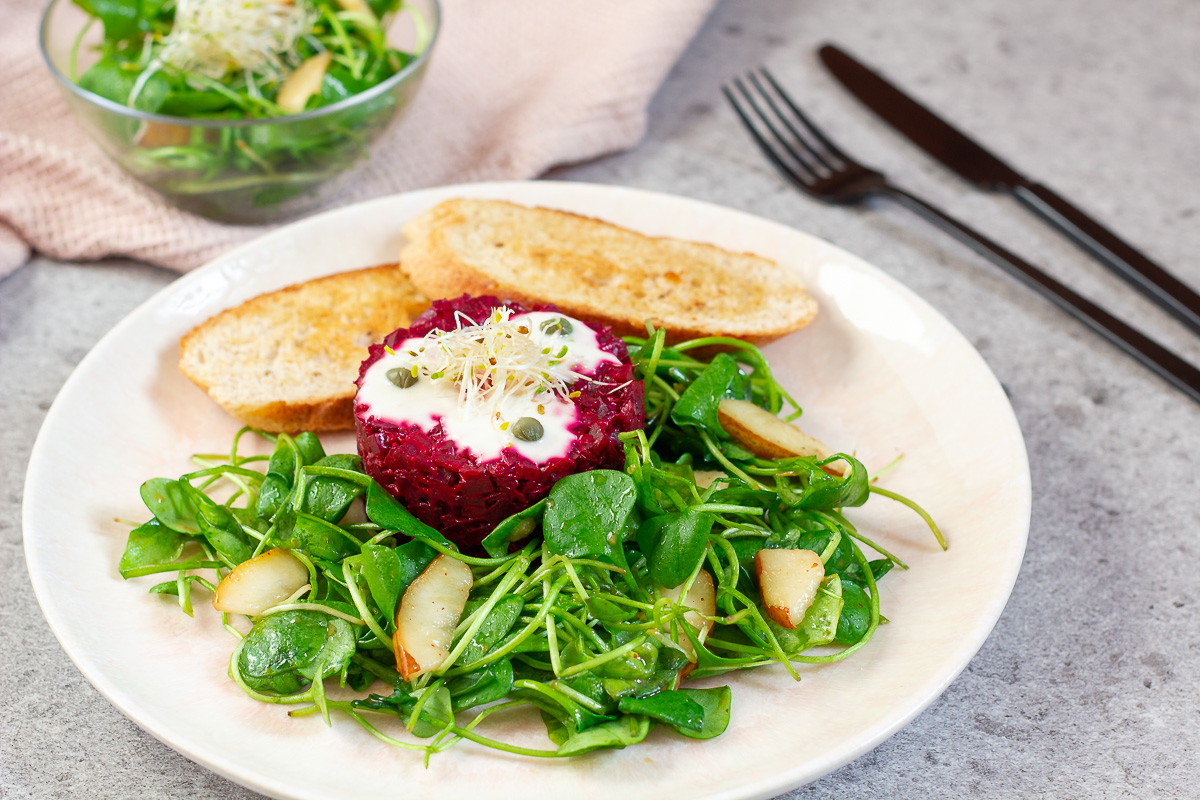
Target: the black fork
(816, 166)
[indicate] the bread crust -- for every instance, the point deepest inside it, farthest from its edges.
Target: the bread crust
(438, 266)
(283, 417)
(285, 361)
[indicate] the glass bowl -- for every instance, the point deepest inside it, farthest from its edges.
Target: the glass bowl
(239, 170)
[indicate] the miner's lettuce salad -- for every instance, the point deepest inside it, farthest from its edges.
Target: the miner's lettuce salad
(593, 608)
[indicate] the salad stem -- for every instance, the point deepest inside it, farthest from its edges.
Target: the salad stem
(922, 513)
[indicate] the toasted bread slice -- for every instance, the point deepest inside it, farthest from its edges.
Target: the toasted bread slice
(287, 360)
(597, 271)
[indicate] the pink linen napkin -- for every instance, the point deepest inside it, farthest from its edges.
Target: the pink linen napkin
(514, 87)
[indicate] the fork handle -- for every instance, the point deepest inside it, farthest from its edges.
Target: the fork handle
(1119, 256)
(1169, 366)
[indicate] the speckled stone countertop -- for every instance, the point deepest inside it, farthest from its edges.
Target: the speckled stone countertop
(1088, 685)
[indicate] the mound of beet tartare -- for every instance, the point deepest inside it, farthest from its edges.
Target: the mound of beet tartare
(478, 408)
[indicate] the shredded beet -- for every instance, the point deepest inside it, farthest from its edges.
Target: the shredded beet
(447, 487)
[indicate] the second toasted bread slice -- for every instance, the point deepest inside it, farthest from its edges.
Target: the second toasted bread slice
(287, 360)
(597, 271)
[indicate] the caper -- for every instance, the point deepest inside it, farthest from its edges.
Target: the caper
(528, 429)
(401, 377)
(557, 326)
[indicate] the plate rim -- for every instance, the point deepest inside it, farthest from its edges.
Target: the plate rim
(763, 787)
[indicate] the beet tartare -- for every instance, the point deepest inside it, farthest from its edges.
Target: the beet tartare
(478, 408)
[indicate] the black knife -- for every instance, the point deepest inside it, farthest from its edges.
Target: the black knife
(973, 162)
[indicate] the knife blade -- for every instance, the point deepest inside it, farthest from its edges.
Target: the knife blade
(972, 161)
(953, 148)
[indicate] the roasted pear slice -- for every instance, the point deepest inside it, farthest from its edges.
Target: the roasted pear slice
(702, 599)
(767, 436)
(303, 83)
(428, 615)
(264, 581)
(788, 581)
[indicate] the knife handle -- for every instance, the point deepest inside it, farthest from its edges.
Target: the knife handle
(1119, 256)
(1162, 361)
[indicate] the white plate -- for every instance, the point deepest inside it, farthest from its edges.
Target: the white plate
(879, 372)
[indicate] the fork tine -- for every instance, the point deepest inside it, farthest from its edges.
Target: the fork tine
(812, 170)
(815, 152)
(816, 132)
(801, 181)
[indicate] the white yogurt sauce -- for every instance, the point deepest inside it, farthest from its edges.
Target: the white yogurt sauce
(428, 402)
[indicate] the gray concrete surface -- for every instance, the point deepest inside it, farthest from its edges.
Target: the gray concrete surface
(1087, 687)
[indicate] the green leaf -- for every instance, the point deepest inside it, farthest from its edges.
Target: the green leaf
(615, 734)
(283, 652)
(152, 93)
(671, 656)
(385, 577)
(592, 687)
(746, 547)
(697, 405)
(530, 644)
(282, 472)
(879, 568)
(570, 712)
(513, 529)
(674, 708)
(650, 531)
(495, 627)
(272, 494)
(820, 622)
(328, 498)
(283, 459)
(396, 702)
(116, 81)
(678, 545)
(488, 684)
(318, 538)
(149, 545)
(589, 513)
(107, 79)
(608, 611)
(386, 512)
(556, 729)
(310, 448)
(855, 618)
(682, 468)
(384, 7)
(347, 461)
(639, 663)
(709, 663)
(190, 103)
(121, 18)
(821, 491)
(171, 504)
(435, 712)
(339, 83)
(439, 711)
(358, 678)
(221, 528)
(716, 703)
(658, 681)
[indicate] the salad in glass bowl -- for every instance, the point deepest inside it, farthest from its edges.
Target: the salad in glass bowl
(239, 110)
